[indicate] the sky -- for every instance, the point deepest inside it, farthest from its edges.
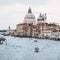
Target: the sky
(12, 12)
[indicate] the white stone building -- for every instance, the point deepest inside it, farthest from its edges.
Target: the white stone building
(30, 28)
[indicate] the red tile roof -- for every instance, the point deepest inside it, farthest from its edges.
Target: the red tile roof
(21, 24)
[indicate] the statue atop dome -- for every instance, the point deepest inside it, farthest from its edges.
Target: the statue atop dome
(29, 10)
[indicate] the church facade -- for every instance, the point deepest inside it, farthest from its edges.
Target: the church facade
(32, 27)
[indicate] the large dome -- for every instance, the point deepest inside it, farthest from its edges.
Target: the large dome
(29, 15)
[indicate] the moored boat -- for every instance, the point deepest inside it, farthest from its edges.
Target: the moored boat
(2, 39)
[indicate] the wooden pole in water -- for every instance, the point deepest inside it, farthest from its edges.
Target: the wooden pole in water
(6, 42)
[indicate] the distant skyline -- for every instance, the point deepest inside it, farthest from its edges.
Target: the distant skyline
(12, 12)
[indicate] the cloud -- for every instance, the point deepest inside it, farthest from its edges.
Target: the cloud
(26, 2)
(13, 13)
(53, 10)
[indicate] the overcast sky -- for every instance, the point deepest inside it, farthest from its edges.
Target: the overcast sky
(12, 12)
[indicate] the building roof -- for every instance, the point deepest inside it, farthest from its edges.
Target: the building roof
(50, 29)
(21, 24)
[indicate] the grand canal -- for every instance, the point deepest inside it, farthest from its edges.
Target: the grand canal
(24, 49)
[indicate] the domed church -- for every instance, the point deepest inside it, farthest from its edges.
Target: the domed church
(29, 28)
(41, 18)
(29, 17)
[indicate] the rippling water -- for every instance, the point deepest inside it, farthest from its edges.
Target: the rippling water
(24, 49)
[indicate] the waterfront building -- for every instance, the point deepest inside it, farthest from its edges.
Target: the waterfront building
(55, 34)
(31, 28)
(23, 29)
(10, 31)
(20, 29)
(34, 31)
(41, 21)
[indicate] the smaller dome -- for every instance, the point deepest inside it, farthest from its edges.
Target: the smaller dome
(40, 18)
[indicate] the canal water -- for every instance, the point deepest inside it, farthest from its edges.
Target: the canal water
(24, 49)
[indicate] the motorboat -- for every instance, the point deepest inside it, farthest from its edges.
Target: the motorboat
(2, 39)
(35, 41)
(36, 49)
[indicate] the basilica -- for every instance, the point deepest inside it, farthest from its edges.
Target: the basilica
(38, 28)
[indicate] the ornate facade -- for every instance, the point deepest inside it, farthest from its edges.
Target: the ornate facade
(29, 28)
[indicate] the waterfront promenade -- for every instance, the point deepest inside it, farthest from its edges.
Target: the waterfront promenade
(24, 49)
